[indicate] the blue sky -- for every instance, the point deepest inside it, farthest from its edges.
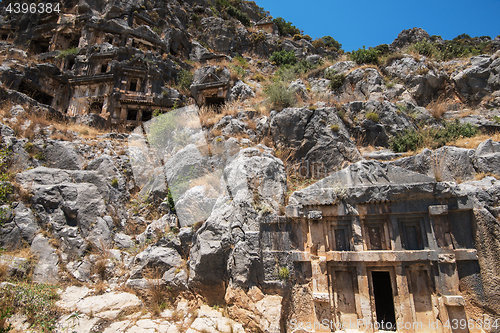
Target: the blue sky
(370, 23)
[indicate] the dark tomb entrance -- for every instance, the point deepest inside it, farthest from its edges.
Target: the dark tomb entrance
(216, 102)
(147, 115)
(132, 114)
(35, 93)
(384, 301)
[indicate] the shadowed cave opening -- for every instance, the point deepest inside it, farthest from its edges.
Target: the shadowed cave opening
(384, 302)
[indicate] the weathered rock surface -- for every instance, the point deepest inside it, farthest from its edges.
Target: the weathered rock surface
(46, 269)
(480, 79)
(388, 121)
(410, 36)
(241, 91)
(422, 78)
(316, 137)
(19, 226)
(226, 247)
(487, 157)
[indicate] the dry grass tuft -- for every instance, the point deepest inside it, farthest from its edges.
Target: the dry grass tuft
(33, 124)
(3, 272)
(157, 295)
(481, 175)
(100, 287)
(438, 108)
(473, 142)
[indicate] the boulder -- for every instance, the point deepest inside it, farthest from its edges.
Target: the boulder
(410, 36)
(487, 245)
(227, 247)
(241, 91)
(19, 225)
(155, 260)
(388, 122)
(314, 59)
(196, 204)
(480, 79)
(107, 306)
(123, 241)
(157, 227)
(221, 36)
(320, 86)
(199, 53)
(46, 269)
(318, 140)
(487, 157)
(81, 270)
(62, 155)
(255, 310)
(341, 67)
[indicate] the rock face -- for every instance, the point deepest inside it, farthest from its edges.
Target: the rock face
(241, 91)
(410, 36)
(226, 248)
(46, 270)
(422, 78)
(19, 226)
(73, 210)
(487, 157)
(375, 122)
(316, 139)
(479, 80)
(92, 209)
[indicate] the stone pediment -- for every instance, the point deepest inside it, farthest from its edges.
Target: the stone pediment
(368, 173)
(364, 181)
(209, 78)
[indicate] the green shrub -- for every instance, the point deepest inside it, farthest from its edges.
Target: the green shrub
(409, 140)
(36, 301)
(382, 49)
(433, 138)
(335, 128)
(331, 43)
(285, 27)
(279, 96)
(364, 56)
(336, 81)
(284, 274)
(39, 156)
(184, 79)
(283, 57)
(373, 116)
(225, 5)
(424, 48)
(114, 182)
(29, 147)
(318, 42)
(64, 53)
